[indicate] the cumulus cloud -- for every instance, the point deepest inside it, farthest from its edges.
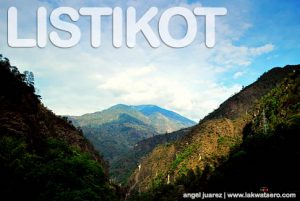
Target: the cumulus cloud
(82, 79)
(143, 85)
(227, 54)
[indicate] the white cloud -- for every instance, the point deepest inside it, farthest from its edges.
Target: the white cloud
(229, 55)
(166, 91)
(238, 74)
(81, 79)
(261, 50)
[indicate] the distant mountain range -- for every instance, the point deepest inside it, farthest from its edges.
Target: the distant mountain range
(115, 131)
(159, 119)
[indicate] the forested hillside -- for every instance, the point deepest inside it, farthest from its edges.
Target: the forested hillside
(249, 142)
(42, 156)
(255, 147)
(116, 132)
(122, 168)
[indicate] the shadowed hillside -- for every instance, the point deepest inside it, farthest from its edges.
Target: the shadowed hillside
(42, 156)
(269, 153)
(116, 131)
(265, 106)
(240, 103)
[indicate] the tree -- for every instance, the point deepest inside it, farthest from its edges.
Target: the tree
(29, 78)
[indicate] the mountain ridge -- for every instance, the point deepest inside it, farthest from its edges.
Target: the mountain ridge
(115, 131)
(148, 110)
(211, 141)
(146, 113)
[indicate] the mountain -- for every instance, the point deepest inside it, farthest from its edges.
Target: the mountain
(157, 114)
(269, 154)
(123, 167)
(242, 140)
(43, 156)
(116, 130)
(160, 119)
(240, 103)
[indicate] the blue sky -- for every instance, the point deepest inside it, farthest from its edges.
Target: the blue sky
(253, 37)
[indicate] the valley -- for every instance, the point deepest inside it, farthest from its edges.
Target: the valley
(117, 131)
(146, 152)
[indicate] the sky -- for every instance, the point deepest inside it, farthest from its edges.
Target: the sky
(253, 37)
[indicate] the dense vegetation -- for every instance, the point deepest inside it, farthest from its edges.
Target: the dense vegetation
(126, 164)
(270, 151)
(250, 142)
(243, 101)
(51, 170)
(267, 156)
(116, 132)
(42, 156)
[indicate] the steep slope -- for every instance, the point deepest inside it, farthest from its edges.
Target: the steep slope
(123, 167)
(210, 143)
(266, 160)
(243, 101)
(115, 132)
(42, 156)
(117, 137)
(269, 154)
